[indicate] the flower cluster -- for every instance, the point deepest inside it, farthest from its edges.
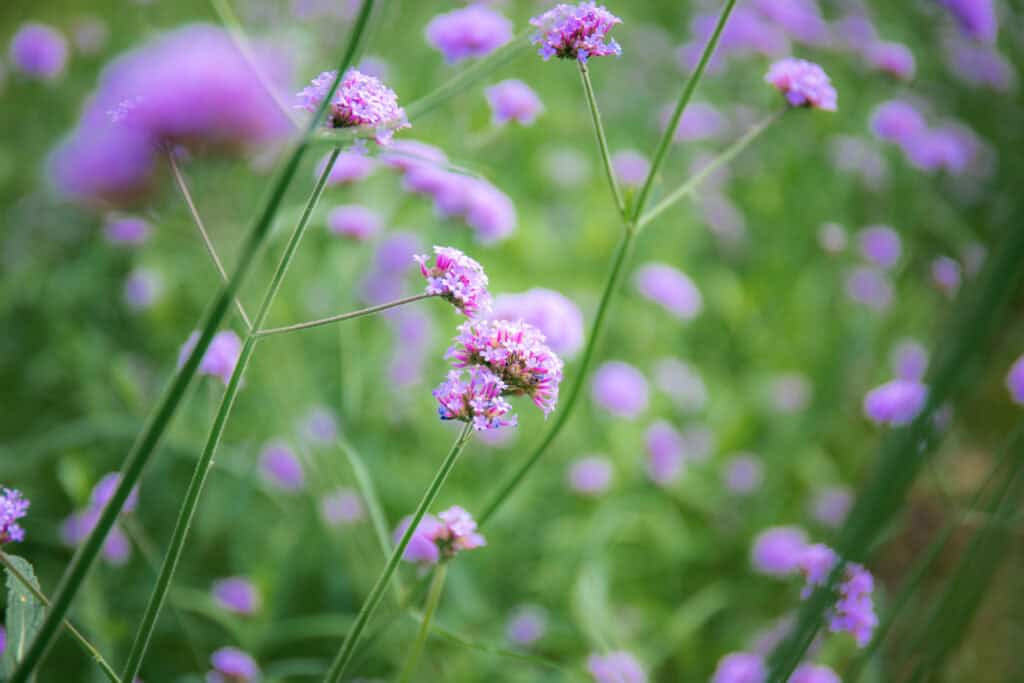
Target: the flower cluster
(803, 83)
(237, 594)
(748, 667)
(39, 51)
(360, 100)
(896, 402)
(478, 401)
(473, 31)
(231, 665)
(575, 32)
(950, 147)
(440, 538)
(77, 526)
(221, 355)
(13, 506)
(854, 611)
(513, 100)
(458, 279)
(616, 667)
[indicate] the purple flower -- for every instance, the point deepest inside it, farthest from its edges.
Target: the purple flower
(803, 83)
(354, 221)
(320, 425)
(1015, 381)
(620, 389)
(516, 354)
(740, 667)
(77, 526)
(870, 287)
(616, 667)
(142, 288)
(669, 287)
(555, 315)
(3, 639)
(349, 167)
(952, 148)
(909, 360)
(13, 506)
(700, 121)
(946, 275)
(404, 155)
(342, 507)
(590, 476)
(830, 505)
(665, 453)
(777, 551)
(575, 32)
(976, 18)
(39, 51)
(630, 167)
(458, 279)
(897, 121)
(441, 537)
(814, 673)
(832, 237)
(237, 594)
(395, 252)
(221, 355)
(746, 33)
(513, 100)
(473, 31)
(854, 610)
(894, 59)
(478, 401)
(281, 468)
(743, 473)
(231, 665)
(421, 548)
(127, 230)
(360, 100)
(527, 625)
(896, 402)
(480, 204)
(682, 383)
(980, 65)
(881, 245)
(104, 489)
(801, 19)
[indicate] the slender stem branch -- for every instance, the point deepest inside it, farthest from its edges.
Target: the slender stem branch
(89, 648)
(433, 600)
(727, 155)
(343, 316)
(179, 178)
(348, 647)
(677, 114)
(602, 141)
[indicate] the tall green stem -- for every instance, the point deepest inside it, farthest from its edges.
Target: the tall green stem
(602, 141)
(433, 599)
(344, 316)
(348, 647)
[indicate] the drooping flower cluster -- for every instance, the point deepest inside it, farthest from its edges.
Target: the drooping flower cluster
(221, 355)
(77, 526)
(440, 538)
(13, 506)
(360, 100)
(854, 611)
(457, 279)
(575, 32)
(231, 665)
(478, 401)
(803, 83)
(473, 31)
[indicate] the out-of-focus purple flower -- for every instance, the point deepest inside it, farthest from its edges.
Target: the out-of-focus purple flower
(952, 148)
(976, 18)
(665, 453)
(516, 353)
(127, 230)
(421, 548)
(458, 279)
(897, 121)
(1015, 381)
(77, 526)
(800, 19)
(669, 287)
(474, 31)
(557, 316)
(946, 275)
(237, 594)
(980, 65)
(740, 667)
(620, 389)
(856, 155)
(3, 639)
(630, 167)
(142, 288)
(682, 383)
(790, 393)
(360, 101)
(342, 507)
(441, 537)
(894, 59)
(870, 287)
(89, 35)
(746, 33)
(575, 32)
(480, 204)
(814, 673)
(104, 489)
(590, 475)
(221, 355)
(803, 83)
(880, 245)
(854, 610)
(231, 665)
(281, 468)
(403, 155)
(896, 402)
(527, 625)
(616, 667)
(354, 221)
(700, 121)
(723, 217)
(349, 167)
(478, 401)
(743, 473)
(777, 550)
(39, 51)
(117, 549)
(832, 237)
(320, 425)
(830, 505)
(13, 506)
(909, 359)
(396, 251)
(513, 100)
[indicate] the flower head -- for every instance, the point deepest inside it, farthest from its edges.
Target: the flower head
(743, 473)
(221, 355)
(473, 31)
(909, 359)
(104, 489)
(854, 610)
(620, 388)
(740, 667)
(616, 667)
(127, 230)
(896, 402)
(946, 275)
(513, 100)
(343, 506)
(590, 476)
(527, 625)
(881, 245)
(354, 222)
(669, 287)
(360, 100)
(803, 83)
(976, 18)
(870, 287)
(237, 594)
(478, 401)
(13, 506)
(830, 505)
(814, 673)
(575, 32)
(894, 59)
(349, 167)
(630, 167)
(39, 51)
(665, 453)
(457, 279)
(897, 121)
(281, 468)
(777, 550)
(231, 665)
(441, 537)
(142, 288)
(1015, 381)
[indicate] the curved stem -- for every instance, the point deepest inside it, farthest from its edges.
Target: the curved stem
(602, 141)
(433, 599)
(343, 316)
(348, 647)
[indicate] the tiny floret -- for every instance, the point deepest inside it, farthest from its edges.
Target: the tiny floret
(458, 279)
(854, 610)
(575, 32)
(803, 83)
(13, 506)
(478, 401)
(360, 100)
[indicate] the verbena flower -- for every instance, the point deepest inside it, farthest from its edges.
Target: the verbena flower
(803, 83)
(127, 230)
(894, 59)
(77, 526)
(142, 288)
(440, 538)
(665, 453)
(897, 121)
(590, 476)
(670, 288)
(473, 31)
(854, 610)
(527, 625)
(740, 667)
(909, 359)
(616, 667)
(700, 121)
(281, 467)
(237, 594)
(557, 316)
(342, 507)
(870, 287)
(516, 353)
(575, 32)
(39, 51)
(620, 389)
(104, 489)
(881, 245)
(349, 167)
(458, 279)
(630, 167)
(814, 673)
(1015, 381)
(830, 505)
(478, 202)
(980, 65)
(513, 100)
(13, 506)
(354, 222)
(896, 402)
(976, 18)
(777, 550)
(746, 33)
(403, 155)
(478, 401)
(320, 425)
(744, 473)
(221, 355)
(800, 19)
(360, 101)
(231, 665)
(946, 275)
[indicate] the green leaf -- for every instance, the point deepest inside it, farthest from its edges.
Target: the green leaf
(24, 615)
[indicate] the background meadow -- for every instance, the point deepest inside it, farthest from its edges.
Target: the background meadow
(772, 367)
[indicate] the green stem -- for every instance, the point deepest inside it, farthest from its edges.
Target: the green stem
(88, 647)
(602, 141)
(677, 113)
(433, 599)
(625, 248)
(348, 647)
(343, 316)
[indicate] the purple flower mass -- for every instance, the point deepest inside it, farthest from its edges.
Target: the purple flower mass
(1015, 381)
(237, 594)
(441, 537)
(354, 221)
(896, 402)
(281, 468)
(803, 83)
(478, 401)
(665, 452)
(946, 275)
(142, 288)
(13, 506)
(349, 167)
(700, 121)
(616, 667)
(897, 121)
(360, 100)
(740, 667)
(870, 287)
(670, 288)
(231, 665)
(630, 167)
(830, 505)
(221, 355)
(556, 316)
(814, 673)
(777, 550)
(894, 59)
(854, 611)
(320, 425)
(104, 489)
(575, 32)
(342, 507)
(513, 100)
(590, 476)
(127, 230)
(39, 51)
(527, 625)
(458, 279)
(480, 204)
(976, 18)
(473, 31)
(743, 473)
(620, 389)
(881, 245)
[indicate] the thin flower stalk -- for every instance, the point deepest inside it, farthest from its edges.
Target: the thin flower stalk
(433, 600)
(602, 141)
(343, 316)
